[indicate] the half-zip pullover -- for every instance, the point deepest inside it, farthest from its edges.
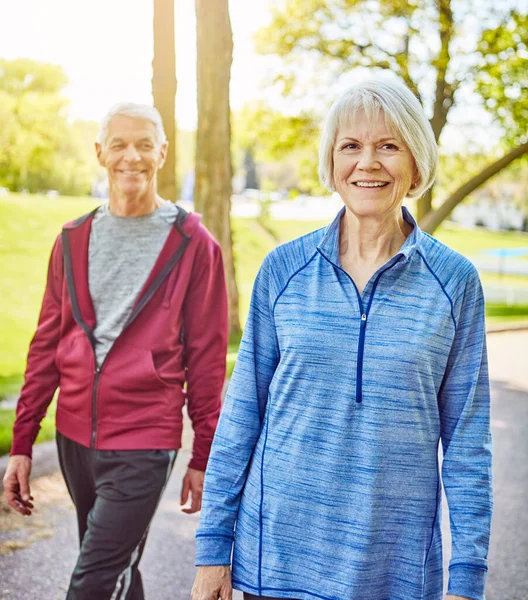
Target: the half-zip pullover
(326, 454)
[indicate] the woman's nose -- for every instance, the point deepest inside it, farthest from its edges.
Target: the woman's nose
(368, 160)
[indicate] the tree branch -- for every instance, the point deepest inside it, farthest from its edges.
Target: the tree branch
(433, 218)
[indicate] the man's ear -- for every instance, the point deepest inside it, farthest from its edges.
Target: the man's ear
(99, 153)
(163, 154)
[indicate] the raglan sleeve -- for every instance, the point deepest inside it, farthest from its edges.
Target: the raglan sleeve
(239, 427)
(464, 402)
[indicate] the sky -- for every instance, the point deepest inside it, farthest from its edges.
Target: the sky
(106, 46)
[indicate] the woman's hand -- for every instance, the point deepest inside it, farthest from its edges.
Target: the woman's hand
(451, 597)
(212, 583)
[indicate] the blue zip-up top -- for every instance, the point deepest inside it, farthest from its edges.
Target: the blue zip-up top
(326, 453)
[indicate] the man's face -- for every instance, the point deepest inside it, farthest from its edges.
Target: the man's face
(132, 156)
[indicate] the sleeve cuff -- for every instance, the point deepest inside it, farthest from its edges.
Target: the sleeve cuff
(21, 446)
(467, 581)
(213, 549)
(199, 464)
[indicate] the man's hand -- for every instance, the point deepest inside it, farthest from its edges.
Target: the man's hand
(212, 583)
(193, 482)
(16, 484)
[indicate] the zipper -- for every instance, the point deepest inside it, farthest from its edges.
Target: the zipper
(363, 325)
(98, 370)
(97, 375)
(361, 348)
(361, 341)
(94, 405)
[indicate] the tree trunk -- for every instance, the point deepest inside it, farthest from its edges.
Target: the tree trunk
(445, 91)
(164, 90)
(212, 190)
(433, 219)
(424, 204)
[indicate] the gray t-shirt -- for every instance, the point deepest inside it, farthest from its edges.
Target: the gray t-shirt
(122, 253)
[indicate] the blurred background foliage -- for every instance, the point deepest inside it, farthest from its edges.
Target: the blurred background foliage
(453, 55)
(40, 148)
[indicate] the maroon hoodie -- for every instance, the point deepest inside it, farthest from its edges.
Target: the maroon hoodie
(175, 335)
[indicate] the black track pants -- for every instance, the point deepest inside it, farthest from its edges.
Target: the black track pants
(116, 494)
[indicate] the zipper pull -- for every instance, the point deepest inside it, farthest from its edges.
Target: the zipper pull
(363, 320)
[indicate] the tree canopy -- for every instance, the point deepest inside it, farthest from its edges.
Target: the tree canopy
(501, 75)
(39, 148)
(445, 51)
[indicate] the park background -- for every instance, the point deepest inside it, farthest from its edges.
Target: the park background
(243, 87)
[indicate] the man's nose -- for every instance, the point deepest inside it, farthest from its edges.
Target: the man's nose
(131, 154)
(368, 160)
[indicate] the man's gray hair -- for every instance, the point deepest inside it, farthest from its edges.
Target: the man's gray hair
(404, 117)
(136, 111)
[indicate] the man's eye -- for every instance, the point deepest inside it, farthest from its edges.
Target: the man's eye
(147, 146)
(116, 147)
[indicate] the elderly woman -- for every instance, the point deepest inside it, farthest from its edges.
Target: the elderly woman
(364, 347)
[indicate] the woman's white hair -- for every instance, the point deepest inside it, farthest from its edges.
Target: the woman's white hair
(136, 111)
(404, 117)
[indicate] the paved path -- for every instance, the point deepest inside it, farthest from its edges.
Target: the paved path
(39, 570)
(508, 575)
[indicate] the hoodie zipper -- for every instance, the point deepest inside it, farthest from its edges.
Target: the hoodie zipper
(94, 404)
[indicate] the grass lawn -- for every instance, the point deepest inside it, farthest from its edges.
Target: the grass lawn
(30, 224)
(500, 313)
(469, 242)
(28, 229)
(7, 418)
(285, 231)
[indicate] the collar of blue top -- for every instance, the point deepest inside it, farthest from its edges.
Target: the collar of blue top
(329, 244)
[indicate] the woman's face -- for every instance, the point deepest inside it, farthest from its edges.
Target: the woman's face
(373, 170)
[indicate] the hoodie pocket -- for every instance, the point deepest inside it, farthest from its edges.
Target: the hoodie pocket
(75, 362)
(131, 389)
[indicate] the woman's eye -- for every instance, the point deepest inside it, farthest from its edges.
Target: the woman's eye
(350, 146)
(390, 147)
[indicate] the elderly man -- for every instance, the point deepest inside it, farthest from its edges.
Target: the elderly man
(133, 325)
